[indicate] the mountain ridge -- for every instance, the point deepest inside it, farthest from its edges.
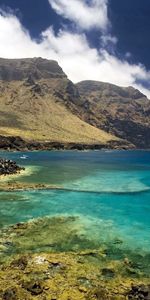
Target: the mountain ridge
(122, 111)
(39, 103)
(36, 68)
(34, 105)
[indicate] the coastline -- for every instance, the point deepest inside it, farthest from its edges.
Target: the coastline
(10, 143)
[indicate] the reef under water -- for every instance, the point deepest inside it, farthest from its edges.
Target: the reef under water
(87, 237)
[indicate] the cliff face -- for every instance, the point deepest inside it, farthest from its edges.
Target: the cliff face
(124, 112)
(39, 103)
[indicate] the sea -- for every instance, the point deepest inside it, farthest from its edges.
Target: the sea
(108, 191)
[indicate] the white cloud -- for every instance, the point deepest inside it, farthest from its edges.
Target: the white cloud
(72, 51)
(15, 41)
(83, 14)
(107, 39)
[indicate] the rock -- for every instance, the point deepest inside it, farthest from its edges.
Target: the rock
(9, 167)
(29, 81)
(98, 294)
(20, 226)
(127, 261)
(117, 242)
(83, 289)
(108, 273)
(20, 263)
(131, 271)
(84, 282)
(10, 294)
(140, 292)
(34, 287)
(93, 253)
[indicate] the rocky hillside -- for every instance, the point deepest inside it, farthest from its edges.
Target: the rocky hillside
(39, 103)
(36, 68)
(124, 112)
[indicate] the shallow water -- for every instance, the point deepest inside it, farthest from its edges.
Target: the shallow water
(108, 190)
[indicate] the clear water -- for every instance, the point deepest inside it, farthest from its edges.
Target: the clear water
(108, 190)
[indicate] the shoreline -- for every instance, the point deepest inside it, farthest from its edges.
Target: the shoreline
(16, 143)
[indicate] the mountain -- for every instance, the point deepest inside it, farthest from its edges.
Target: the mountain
(39, 103)
(123, 112)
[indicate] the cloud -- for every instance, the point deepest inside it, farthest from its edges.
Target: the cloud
(78, 60)
(85, 15)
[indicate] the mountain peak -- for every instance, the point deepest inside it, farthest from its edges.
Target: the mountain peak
(105, 89)
(37, 68)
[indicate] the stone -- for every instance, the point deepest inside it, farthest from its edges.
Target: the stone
(34, 287)
(20, 263)
(108, 273)
(10, 294)
(9, 167)
(98, 294)
(140, 292)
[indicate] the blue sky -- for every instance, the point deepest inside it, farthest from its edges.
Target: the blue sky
(106, 40)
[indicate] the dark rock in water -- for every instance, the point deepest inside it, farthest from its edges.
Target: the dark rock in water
(7, 244)
(34, 287)
(117, 242)
(108, 273)
(140, 292)
(132, 271)
(10, 294)
(9, 167)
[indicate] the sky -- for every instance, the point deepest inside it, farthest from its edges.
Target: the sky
(105, 40)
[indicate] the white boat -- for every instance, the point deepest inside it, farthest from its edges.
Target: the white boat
(24, 156)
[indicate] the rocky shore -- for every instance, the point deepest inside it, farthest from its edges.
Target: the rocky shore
(9, 167)
(16, 143)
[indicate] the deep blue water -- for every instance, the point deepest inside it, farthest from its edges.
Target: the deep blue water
(108, 190)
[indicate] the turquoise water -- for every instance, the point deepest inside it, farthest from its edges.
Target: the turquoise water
(108, 190)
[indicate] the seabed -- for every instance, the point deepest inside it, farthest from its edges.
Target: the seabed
(50, 258)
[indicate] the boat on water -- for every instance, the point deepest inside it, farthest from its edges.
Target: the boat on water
(24, 156)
